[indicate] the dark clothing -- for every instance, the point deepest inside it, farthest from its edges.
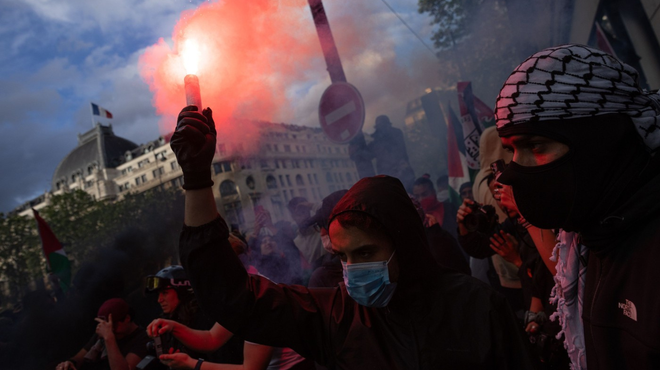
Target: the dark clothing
(621, 321)
(329, 274)
(436, 319)
(446, 251)
(135, 343)
(389, 149)
(477, 245)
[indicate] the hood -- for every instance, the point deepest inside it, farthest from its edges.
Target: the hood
(385, 199)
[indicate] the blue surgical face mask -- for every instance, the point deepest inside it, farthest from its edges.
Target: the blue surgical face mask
(368, 283)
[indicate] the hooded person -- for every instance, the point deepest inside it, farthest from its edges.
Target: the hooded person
(585, 137)
(397, 310)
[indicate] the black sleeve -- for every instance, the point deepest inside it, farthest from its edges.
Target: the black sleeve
(252, 306)
(476, 244)
(446, 251)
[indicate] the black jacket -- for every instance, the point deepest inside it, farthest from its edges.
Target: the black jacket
(436, 319)
(622, 298)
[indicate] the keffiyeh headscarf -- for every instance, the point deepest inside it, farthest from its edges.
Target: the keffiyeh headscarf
(572, 81)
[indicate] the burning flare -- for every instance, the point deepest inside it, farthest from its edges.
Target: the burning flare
(190, 55)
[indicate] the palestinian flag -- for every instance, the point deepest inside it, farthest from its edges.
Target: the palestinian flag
(475, 115)
(58, 262)
(457, 169)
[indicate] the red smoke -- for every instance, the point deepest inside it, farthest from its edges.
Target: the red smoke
(250, 52)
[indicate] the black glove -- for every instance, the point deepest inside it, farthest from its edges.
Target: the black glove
(193, 143)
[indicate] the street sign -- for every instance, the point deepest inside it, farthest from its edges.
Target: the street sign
(341, 112)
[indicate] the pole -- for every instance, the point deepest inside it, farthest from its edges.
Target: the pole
(359, 152)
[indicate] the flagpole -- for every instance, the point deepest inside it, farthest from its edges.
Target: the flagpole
(91, 110)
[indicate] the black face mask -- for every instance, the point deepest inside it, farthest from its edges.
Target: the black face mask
(586, 184)
(544, 194)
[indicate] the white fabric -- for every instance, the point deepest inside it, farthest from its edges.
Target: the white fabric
(572, 81)
(568, 295)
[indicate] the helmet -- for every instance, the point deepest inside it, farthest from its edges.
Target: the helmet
(170, 277)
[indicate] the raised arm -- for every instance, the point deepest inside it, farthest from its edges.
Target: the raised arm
(253, 307)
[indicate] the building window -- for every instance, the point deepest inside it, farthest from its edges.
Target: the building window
(284, 163)
(341, 177)
(349, 178)
(271, 183)
(282, 181)
(299, 180)
(314, 193)
(293, 195)
(288, 180)
(328, 177)
(277, 164)
(309, 179)
(268, 148)
(336, 178)
(311, 163)
(221, 167)
(298, 148)
(302, 192)
(277, 148)
(316, 179)
(138, 181)
(158, 172)
(228, 188)
(263, 163)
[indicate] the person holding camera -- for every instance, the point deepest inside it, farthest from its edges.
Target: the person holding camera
(481, 236)
(118, 344)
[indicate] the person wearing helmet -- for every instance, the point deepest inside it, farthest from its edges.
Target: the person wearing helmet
(176, 298)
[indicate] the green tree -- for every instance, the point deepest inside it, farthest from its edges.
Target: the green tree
(21, 258)
(453, 19)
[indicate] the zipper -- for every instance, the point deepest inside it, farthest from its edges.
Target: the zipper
(599, 271)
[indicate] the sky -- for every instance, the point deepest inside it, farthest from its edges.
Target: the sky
(60, 55)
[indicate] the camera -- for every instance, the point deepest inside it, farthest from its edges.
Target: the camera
(497, 167)
(483, 218)
(151, 362)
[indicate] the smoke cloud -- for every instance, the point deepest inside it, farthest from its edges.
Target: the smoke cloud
(262, 61)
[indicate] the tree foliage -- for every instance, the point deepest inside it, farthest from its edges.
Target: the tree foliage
(144, 227)
(453, 19)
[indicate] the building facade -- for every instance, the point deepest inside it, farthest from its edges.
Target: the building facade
(289, 161)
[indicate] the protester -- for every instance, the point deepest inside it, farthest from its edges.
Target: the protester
(177, 300)
(389, 149)
(584, 137)
(273, 252)
(443, 246)
(443, 212)
(512, 241)
(409, 321)
(308, 240)
(465, 191)
(118, 344)
(227, 349)
(330, 273)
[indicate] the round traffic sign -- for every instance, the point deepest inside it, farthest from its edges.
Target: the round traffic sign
(341, 112)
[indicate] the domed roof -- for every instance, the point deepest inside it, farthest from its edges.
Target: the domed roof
(97, 149)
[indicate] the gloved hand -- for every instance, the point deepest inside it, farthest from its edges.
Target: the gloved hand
(193, 143)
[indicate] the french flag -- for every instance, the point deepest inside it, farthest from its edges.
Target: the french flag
(98, 111)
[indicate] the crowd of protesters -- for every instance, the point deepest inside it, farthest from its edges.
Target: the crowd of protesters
(547, 261)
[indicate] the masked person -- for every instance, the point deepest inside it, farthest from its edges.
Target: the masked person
(584, 138)
(118, 344)
(443, 212)
(396, 309)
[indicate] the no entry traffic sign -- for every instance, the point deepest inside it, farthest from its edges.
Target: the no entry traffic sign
(341, 112)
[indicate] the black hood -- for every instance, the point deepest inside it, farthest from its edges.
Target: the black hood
(385, 199)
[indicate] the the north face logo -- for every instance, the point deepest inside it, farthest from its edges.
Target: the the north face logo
(629, 309)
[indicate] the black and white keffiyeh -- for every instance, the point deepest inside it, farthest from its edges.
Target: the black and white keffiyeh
(572, 81)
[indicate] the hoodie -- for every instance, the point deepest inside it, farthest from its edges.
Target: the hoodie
(436, 318)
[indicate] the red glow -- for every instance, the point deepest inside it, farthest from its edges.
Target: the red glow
(249, 52)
